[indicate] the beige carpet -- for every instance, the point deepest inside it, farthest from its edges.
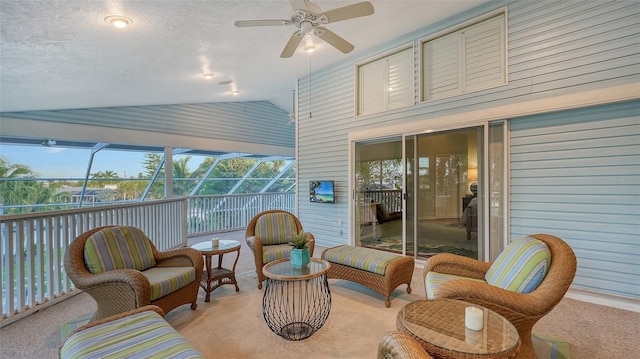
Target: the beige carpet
(232, 326)
(218, 327)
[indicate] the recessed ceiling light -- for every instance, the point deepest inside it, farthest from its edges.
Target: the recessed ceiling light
(235, 92)
(226, 82)
(118, 21)
(208, 76)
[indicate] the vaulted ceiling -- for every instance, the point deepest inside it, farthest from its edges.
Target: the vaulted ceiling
(62, 54)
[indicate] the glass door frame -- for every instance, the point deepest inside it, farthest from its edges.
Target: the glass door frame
(483, 175)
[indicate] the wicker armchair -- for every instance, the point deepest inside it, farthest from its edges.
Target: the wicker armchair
(122, 270)
(268, 235)
(523, 310)
(398, 345)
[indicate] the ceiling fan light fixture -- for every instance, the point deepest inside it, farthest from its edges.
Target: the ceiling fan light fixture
(118, 21)
(306, 27)
(308, 43)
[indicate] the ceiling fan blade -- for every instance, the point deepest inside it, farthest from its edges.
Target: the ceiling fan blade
(292, 44)
(334, 40)
(275, 22)
(298, 4)
(349, 12)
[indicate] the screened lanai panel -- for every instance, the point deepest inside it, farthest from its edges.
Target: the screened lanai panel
(576, 175)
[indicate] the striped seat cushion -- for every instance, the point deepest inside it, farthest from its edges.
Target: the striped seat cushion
(367, 259)
(275, 228)
(166, 280)
(276, 251)
(433, 280)
(121, 247)
(521, 267)
(141, 335)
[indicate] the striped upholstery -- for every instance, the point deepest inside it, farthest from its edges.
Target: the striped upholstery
(521, 267)
(275, 228)
(141, 335)
(367, 259)
(433, 280)
(119, 247)
(166, 280)
(276, 251)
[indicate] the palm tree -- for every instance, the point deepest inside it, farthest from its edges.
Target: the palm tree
(13, 191)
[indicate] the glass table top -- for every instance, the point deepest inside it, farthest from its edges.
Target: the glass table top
(223, 245)
(283, 270)
(442, 323)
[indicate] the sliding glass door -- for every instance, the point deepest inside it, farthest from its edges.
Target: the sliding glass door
(442, 189)
(378, 193)
(423, 194)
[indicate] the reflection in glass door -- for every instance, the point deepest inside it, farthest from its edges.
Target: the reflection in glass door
(437, 175)
(443, 192)
(377, 205)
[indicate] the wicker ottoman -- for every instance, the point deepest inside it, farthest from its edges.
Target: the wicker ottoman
(381, 271)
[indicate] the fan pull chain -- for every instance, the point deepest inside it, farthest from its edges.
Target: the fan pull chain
(310, 86)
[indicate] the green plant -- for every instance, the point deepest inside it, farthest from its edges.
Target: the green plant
(299, 240)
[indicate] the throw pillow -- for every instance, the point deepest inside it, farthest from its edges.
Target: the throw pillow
(521, 267)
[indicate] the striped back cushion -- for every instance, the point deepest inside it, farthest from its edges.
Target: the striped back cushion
(275, 228)
(521, 267)
(120, 247)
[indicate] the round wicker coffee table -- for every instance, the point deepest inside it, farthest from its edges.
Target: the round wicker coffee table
(438, 325)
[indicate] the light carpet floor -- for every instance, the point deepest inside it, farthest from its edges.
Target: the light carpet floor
(594, 331)
(232, 325)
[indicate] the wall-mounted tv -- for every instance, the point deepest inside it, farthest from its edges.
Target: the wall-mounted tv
(322, 192)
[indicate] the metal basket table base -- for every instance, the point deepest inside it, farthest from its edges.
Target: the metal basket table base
(296, 309)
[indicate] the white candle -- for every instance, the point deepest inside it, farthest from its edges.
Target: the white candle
(473, 318)
(215, 242)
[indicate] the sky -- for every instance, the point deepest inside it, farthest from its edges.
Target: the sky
(72, 163)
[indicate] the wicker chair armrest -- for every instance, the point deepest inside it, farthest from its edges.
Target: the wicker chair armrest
(398, 345)
(497, 299)
(255, 244)
(180, 257)
(131, 277)
(447, 263)
(311, 244)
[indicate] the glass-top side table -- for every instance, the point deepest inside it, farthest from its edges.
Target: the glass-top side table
(296, 301)
(439, 325)
(213, 278)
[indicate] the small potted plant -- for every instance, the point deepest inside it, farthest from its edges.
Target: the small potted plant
(300, 252)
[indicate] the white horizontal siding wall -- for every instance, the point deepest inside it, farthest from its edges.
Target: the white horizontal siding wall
(554, 49)
(576, 175)
(258, 122)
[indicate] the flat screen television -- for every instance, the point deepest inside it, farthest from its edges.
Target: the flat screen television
(322, 192)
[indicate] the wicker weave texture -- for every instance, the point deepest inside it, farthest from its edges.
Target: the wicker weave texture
(398, 345)
(522, 310)
(398, 272)
(438, 325)
(122, 290)
(255, 244)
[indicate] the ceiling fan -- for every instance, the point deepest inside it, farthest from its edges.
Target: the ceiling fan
(309, 18)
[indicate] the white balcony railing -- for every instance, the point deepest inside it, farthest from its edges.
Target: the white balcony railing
(33, 244)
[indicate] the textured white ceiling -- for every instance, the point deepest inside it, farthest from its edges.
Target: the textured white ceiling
(61, 54)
